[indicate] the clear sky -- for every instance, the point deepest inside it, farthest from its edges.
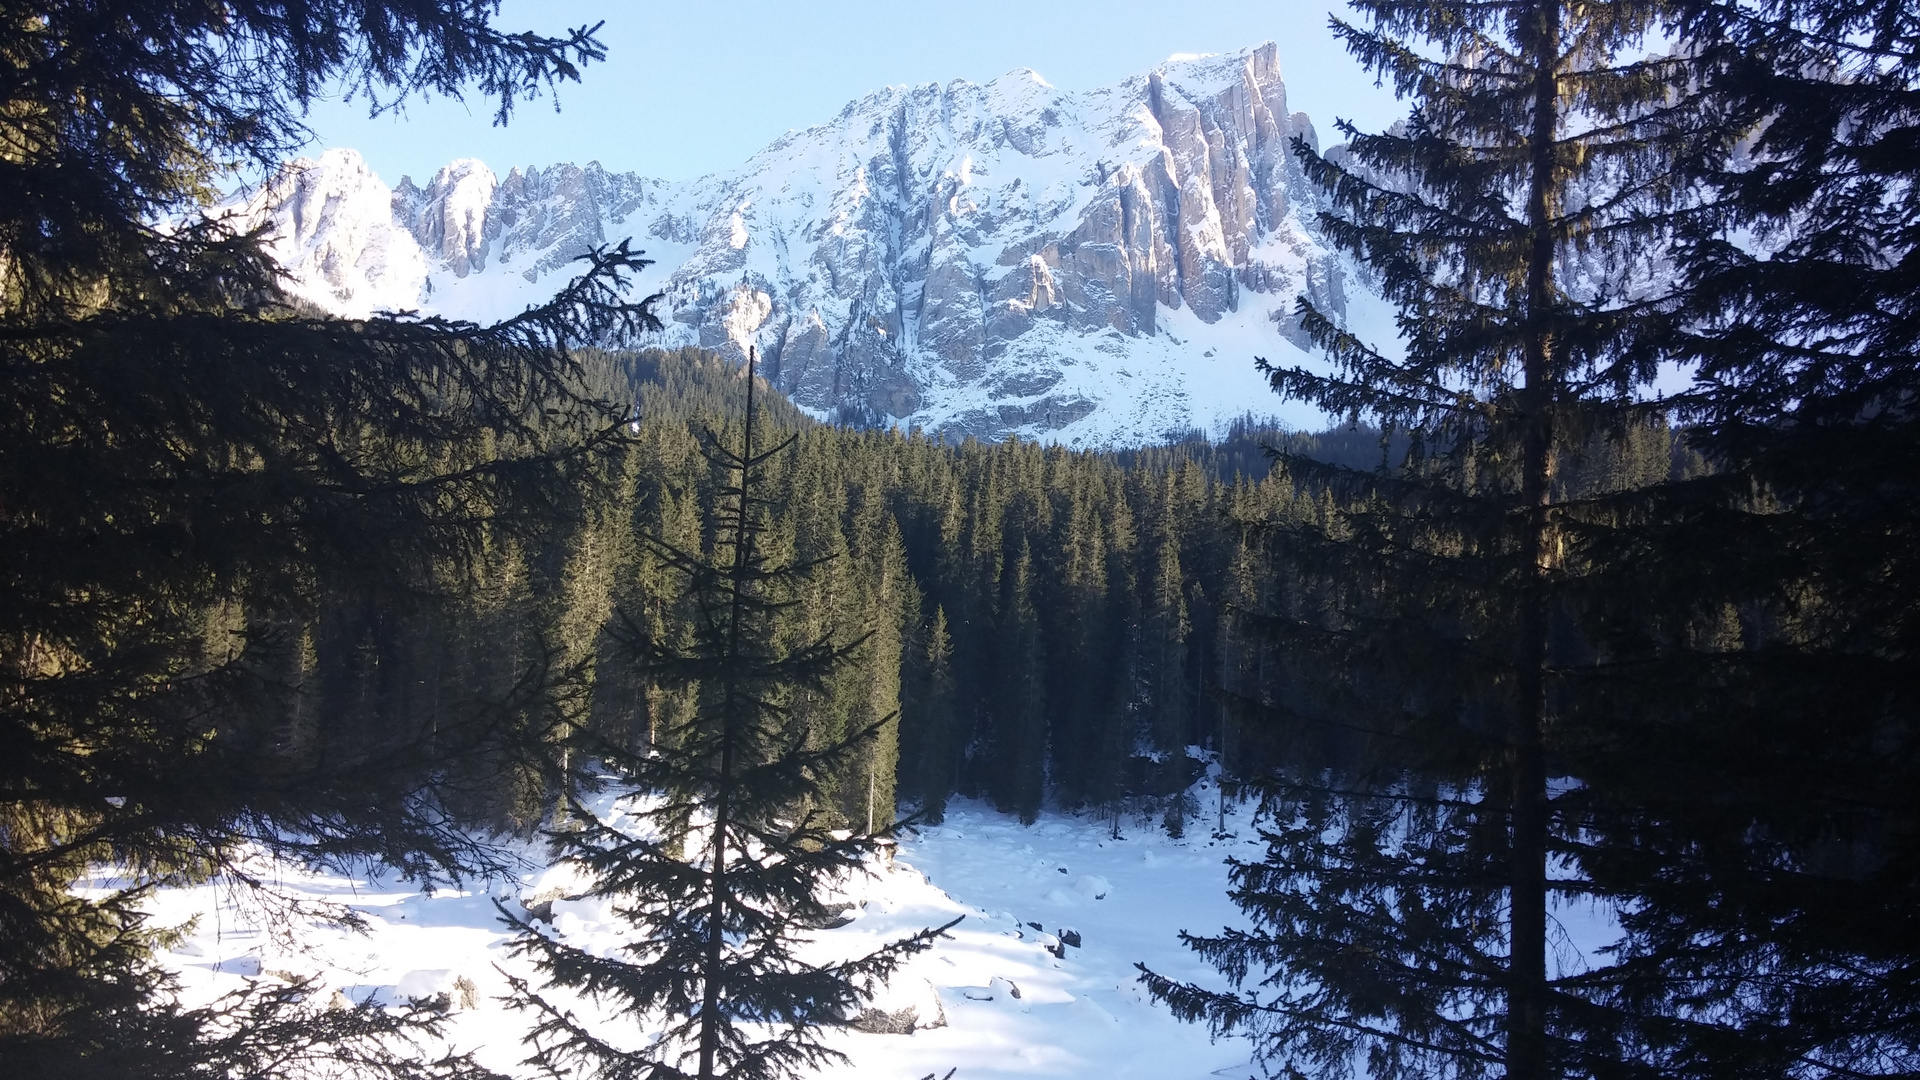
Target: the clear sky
(695, 86)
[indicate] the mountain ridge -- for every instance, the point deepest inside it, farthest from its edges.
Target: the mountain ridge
(1091, 268)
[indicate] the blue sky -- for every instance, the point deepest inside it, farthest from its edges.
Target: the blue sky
(693, 87)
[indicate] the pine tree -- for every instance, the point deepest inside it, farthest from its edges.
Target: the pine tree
(934, 751)
(738, 848)
(1017, 701)
(894, 604)
(1164, 629)
(1429, 630)
(1766, 781)
(219, 508)
(1089, 732)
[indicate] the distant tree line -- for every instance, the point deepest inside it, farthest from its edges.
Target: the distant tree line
(1049, 624)
(1079, 629)
(1052, 626)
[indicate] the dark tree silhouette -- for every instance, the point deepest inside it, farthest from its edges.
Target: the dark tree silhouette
(736, 856)
(190, 466)
(1428, 623)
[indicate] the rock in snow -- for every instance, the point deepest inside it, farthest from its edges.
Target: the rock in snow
(440, 989)
(902, 1006)
(1089, 268)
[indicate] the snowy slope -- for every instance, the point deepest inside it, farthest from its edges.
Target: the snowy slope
(330, 224)
(1080, 1016)
(1089, 268)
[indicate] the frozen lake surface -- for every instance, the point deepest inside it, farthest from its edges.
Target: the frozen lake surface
(1078, 1014)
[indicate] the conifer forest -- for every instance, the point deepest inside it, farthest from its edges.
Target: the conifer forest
(1599, 591)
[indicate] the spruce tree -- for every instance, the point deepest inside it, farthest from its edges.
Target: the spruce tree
(1087, 727)
(1429, 637)
(1016, 700)
(934, 751)
(1164, 629)
(210, 493)
(1767, 782)
(736, 849)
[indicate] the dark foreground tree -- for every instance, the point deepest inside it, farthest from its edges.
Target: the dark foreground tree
(1430, 625)
(731, 858)
(189, 466)
(1770, 794)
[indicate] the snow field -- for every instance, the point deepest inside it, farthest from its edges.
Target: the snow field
(1080, 1014)
(1076, 1014)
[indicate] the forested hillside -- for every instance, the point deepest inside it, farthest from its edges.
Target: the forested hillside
(1049, 624)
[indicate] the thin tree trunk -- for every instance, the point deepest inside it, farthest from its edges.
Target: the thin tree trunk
(1220, 781)
(1526, 1049)
(730, 690)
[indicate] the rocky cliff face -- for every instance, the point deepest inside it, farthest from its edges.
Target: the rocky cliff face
(1092, 268)
(328, 222)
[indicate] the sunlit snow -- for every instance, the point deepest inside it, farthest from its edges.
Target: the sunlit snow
(1077, 1016)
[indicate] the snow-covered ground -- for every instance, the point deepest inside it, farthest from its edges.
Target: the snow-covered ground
(1080, 1015)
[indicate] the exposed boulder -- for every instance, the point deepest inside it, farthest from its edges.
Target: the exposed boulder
(902, 1007)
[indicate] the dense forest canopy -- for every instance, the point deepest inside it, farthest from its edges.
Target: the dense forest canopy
(1048, 622)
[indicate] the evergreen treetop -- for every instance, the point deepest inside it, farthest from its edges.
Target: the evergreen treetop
(1402, 916)
(119, 114)
(737, 849)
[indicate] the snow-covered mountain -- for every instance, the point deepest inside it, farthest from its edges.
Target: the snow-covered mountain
(1090, 268)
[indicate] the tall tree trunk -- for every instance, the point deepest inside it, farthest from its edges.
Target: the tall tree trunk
(1527, 897)
(716, 927)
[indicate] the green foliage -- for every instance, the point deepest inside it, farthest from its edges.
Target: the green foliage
(1706, 634)
(362, 590)
(1767, 782)
(1052, 682)
(226, 523)
(119, 113)
(1428, 620)
(737, 851)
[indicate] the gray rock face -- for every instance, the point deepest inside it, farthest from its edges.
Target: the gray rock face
(449, 218)
(1090, 267)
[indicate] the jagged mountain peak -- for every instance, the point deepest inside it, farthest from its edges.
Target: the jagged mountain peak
(984, 259)
(330, 224)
